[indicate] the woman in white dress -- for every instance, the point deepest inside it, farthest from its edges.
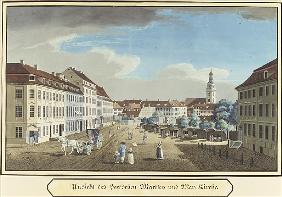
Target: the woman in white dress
(130, 156)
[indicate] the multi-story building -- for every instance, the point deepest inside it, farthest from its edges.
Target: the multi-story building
(170, 109)
(35, 103)
(88, 87)
(104, 106)
(257, 98)
(131, 108)
(204, 107)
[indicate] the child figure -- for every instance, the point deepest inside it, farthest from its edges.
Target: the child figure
(116, 157)
(130, 156)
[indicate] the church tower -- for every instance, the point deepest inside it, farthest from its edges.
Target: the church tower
(211, 91)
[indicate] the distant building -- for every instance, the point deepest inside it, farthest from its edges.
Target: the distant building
(203, 107)
(118, 110)
(170, 109)
(257, 98)
(36, 104)
(131, 108)
(211, 90)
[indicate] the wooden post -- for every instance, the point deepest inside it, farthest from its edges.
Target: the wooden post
(202, 146)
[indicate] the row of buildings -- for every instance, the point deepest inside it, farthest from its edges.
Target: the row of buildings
(46, 105)
(258, 117)
(43, 105)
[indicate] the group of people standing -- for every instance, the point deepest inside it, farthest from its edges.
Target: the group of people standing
(119, 156)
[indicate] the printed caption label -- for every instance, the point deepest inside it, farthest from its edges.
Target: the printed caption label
(122, 187)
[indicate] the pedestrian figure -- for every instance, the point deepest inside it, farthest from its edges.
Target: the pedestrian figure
(160, 154)
(116, 157)
(122, 149)
(110, 134)
(130, 156)
(145, 138)
(100, 141)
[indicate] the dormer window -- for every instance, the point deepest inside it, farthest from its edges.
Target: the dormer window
(31, 78)
(265, 74)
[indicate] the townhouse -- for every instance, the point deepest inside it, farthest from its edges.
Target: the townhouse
(35, 103)
(257, 98)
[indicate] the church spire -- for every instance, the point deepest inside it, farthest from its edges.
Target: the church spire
(211, 90)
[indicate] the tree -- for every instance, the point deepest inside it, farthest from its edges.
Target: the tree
(225, 114)
(195, 120)
(183, 122)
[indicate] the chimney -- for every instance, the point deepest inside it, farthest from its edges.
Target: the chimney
(22, 62)
(35, 66)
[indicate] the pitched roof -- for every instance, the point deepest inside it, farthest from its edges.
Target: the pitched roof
(258, 74)
(209, 106)
(193, 101)
(130, 103)
(81, 75)
(158, 103)
(19, 73)
(101, 92)
(117, 106)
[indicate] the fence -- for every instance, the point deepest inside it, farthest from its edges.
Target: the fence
(241, 156)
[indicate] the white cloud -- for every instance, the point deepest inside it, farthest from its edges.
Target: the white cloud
(188, 71)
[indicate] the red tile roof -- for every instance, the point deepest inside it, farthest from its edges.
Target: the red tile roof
(193, 101)
(19, 73)
(258, 74)
(81, 75)
(100, 90)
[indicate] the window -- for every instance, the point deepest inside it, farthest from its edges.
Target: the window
(250, 110)
(260, 91)
(241, 95)
(31, 111)
(260, 109)
(19, 111)
(245, 129)
(31, 78)
(254, 110)
(39, 94)
(254, 147)
(19, 132)
(254, 130)
(246, 110)
(261, 149)
(47, 95)
(44, 95)
(260, 131)
(47, 111)
(39, 111)
(266, 110)
(254, 92)
(273, 89)
(265, 74)
(266, 90)
(44, 112)
(54, 112)
(249, 93)
(245, 95)
(19, 93)
(273, 133)
(266, 132)
(54, 96)
(249, 129)
(31, 93)
(273, 110)
(241, 110)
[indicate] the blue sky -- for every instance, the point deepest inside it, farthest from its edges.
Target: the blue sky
(225, 40)
(147, 52)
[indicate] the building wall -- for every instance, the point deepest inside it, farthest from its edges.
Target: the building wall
(259, 130)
